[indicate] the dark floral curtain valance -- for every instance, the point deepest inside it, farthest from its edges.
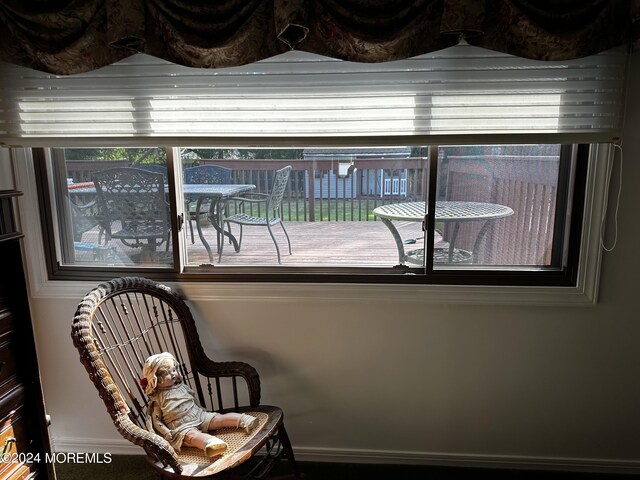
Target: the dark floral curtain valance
(72, 36)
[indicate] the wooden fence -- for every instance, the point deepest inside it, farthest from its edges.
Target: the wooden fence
(526, 184)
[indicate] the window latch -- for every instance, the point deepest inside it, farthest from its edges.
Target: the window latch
(180, 221)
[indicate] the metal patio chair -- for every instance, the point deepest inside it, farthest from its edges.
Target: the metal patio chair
(123, 321)
(153, 167)
(85, 218)
(263, 209)
(133, 206)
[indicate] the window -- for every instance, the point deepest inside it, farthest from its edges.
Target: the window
(457, 167)
(109, 209)
(502, 211)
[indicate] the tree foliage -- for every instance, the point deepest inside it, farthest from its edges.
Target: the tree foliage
(138, 156)
(194, 154)
(135, 156)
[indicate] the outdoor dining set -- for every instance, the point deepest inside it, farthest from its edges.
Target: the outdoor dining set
(130, 204)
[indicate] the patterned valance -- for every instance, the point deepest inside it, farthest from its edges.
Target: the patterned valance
(73, 36)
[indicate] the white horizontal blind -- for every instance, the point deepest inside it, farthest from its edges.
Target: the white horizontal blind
(454, 93)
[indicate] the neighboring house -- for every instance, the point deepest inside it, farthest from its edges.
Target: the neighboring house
(338, 176)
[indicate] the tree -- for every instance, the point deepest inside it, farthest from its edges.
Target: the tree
(194, 154)
(135, 156)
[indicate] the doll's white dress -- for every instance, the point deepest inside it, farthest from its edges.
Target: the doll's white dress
(176, 408)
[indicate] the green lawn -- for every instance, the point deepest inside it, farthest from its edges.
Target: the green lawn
(329, 210)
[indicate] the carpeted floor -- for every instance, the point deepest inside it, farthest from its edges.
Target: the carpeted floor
(134, 467)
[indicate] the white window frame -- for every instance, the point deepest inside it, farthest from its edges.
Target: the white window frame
(584, 293)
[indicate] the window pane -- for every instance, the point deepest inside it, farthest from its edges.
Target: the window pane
(112, 206)
(498, 205)
(328, 205)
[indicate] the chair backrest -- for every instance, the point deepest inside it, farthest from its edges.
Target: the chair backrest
(280, 182)
(134, 197)
(153, 167)
(122, 322)
(211, 174)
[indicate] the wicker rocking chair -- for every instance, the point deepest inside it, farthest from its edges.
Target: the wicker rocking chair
(123, 321)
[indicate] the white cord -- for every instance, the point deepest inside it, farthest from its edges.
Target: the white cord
(615, 217)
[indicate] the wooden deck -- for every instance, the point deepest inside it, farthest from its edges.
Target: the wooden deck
(312, 244)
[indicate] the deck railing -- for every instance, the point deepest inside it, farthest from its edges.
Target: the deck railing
(325, 190)
(317, 189)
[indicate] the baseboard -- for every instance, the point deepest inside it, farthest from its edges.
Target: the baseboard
(95, 445)
(468, 460)
(334, 455)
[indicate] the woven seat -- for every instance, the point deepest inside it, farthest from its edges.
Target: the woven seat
(123, 321)
(244, 219)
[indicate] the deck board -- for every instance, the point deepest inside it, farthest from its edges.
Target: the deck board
(312, 244)
(318, 243)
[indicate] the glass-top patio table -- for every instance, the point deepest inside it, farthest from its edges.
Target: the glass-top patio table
(446, 211)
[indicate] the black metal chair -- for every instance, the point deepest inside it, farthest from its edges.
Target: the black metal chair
(85, 218)
(209, 174)
(206, 174)
(263, 209)
(123, 321)
(133, 206)
(153, 167)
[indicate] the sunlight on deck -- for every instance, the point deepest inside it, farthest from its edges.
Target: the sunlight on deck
(312, 244)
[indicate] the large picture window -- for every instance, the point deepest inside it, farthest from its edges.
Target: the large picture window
(500, 211)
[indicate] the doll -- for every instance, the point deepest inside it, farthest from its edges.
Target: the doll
(175, 413)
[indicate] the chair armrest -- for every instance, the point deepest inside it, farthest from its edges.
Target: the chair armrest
(210, 369)
(252, 197)
(89, 210)
(85, 206)
(155, 446)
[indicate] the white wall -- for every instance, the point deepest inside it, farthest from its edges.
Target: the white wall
(6, 175)
(417, 382)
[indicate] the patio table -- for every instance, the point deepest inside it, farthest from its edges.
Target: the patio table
(446, 211)
(218, 194)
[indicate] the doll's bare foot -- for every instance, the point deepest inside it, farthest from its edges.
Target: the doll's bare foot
(247, 422)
